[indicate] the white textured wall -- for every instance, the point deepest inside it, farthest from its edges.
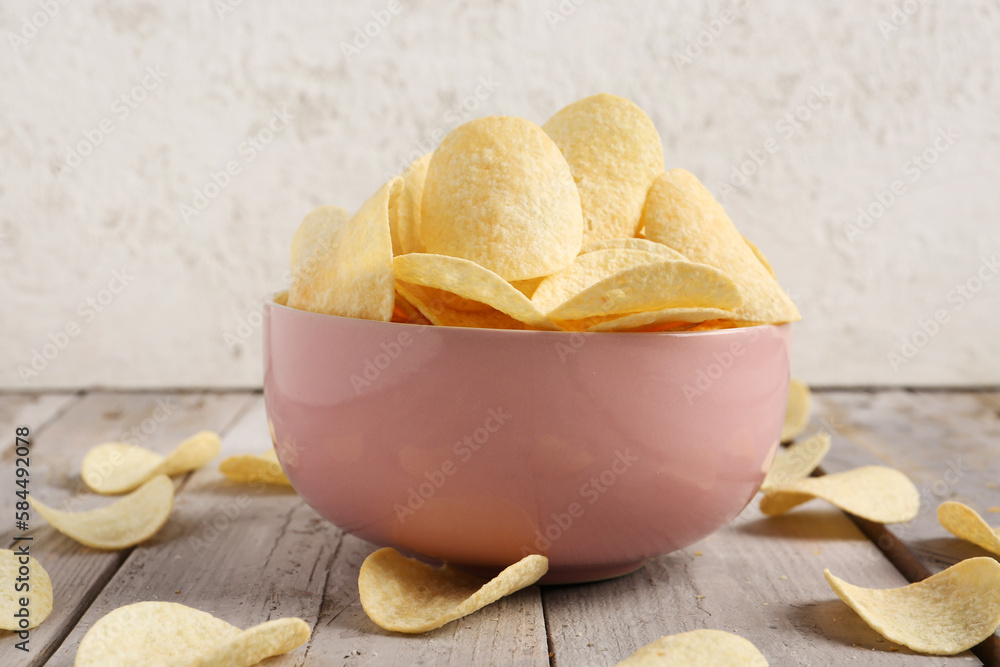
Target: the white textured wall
(217, 75)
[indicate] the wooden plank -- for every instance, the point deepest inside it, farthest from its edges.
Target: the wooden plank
(31, 410)
(79, 573)
(759, 577)
(948, 443)
(247, 555)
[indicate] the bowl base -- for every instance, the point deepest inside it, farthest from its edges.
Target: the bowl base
(583, 574)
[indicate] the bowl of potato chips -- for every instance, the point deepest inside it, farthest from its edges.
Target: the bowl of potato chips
(536, 340)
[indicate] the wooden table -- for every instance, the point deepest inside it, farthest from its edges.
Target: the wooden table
(247, 555)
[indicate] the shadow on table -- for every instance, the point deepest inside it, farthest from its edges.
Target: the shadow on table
(803, 525)
(834, 621)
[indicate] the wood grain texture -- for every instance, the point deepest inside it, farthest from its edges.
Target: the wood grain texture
(761, 578)
(79, 573)
(948, 443)
(249, 554)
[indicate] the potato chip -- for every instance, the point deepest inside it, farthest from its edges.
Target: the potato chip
(404, 595)
(440, 308)
(797, 461)
(117, 467)
(351, 274)
(17, 569)
(668, 318)
(876, 493)
(682, 214)
(469, 281)
(633, 244)
(964, 522)
(760, 256)
(796, 410)
(253, 468)
(258, 643)
(169, 634)
(587, 269)
(655, 286)
(527, 287)
(309, 250)
(500, 194)
(615, 154)
(124, 523)
(697, 648)
(946, 613)
(404, 219)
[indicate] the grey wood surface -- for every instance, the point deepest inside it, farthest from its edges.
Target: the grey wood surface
(79, 573)
(248, 554)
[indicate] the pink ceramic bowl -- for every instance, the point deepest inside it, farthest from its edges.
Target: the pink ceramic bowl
(479, 446)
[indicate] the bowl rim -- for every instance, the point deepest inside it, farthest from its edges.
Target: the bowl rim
(269, 302)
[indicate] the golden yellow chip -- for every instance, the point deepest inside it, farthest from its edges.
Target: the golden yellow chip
(586, 270)
(26, 598)
(760, 256)
(527, 287)
(117, 467)
(876, 493)
(796, 461)
(254, 468)
(258, 643)
(404, 595)
(797, 410)
(944, 614)
(697, 648)
(350, 270)
(499, 193)
(682, 214)
(964, 522)
(615, 154)
(469, 281)
(404, 218)
(650, 287)
(633, 244)
(124, 523)
(668, 318)
(167, 634)
(446, 309)
(309, 250)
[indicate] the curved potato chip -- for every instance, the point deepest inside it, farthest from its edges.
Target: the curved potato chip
(469, 281)
(655, 286)
(876, 493)
(760, 256)
(796, 461)
(38, 594)
(682, 214)
(964, 522)
(168, 634)
(946, 613)
(124, 523)
(351, 274)
(251, 468)
(499, 193)
(440, 308)
(309, 250)
(117, 467)
(587, 269)
(404, 595)
(404, 219)
(697, 648)
(796, 410)
(645, 320)
(259, 642)
(633, 244)
(615, 154)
